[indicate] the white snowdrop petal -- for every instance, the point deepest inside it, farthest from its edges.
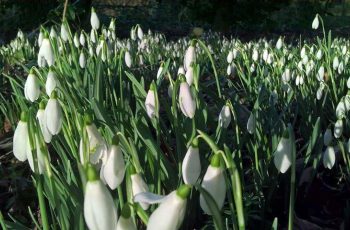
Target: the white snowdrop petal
(191, 166)
(21, 141)
(53, 114)
(214, 183)
(329, 157)
(283, 155)
(114, 168)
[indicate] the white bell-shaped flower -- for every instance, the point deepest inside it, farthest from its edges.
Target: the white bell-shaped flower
(186, 101)
(125, 222)
(214, 183)
(93, 36)
(53, 114)
(46, 54)
(138, 185)
(82, 39)
(31, 87)
(229, 57)
(42, 123)
(51, 82)
(190, 55)
(225, 116)
(251, 124)
(191, 164)
(53, 33)
(319, 54)
(76, 40)
(21, 146)
(114, 167)
(95, 22)
(171, 212)
(127, 58)
(329, 157)
(82, 60)
(335, 63)
(315, 23)
(283, 154)
(151, 102)
(100, 212)
(64, 32)
(139, 32)
(97, 145)
(279, 43)
(40, 37)
(338, 128)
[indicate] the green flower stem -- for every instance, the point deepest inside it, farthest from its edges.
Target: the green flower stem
(292, 180)
(42, 205)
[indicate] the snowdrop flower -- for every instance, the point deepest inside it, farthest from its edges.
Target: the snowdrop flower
(128, 60)
(265, 54)
(51, 82)
(21, 146)
(283, 154)
(229, 57)
(329, 157)
(114, 167)
(338, 128)
(31, 87)
(138, 185)
(335, 63)
(53, 114)
(348, 83)
(299, 80)
(191, 164)
(125, 222)
(340, 68)
(190, 55)
(320, 74)
(279, 43)
(229, 70)
(93, 36)
(97, 145)
(82, 39)
(82, 60)
(76, 40)
(42, 123)
(315, 23)
(95, 22)
(286, 76)
(151, 102)
(255, 55)
(327, 137)
(64, 32)
(251, 124)
(186, 101)
(53, 33)
(214, 183)
(139, 32)
(225, 116)
(319, 55)
(100, 212)
(46, 54)
(171, 212)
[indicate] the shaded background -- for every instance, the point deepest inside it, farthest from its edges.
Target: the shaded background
(247, 19)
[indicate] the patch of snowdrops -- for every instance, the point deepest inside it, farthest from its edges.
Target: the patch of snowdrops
(147, 133)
